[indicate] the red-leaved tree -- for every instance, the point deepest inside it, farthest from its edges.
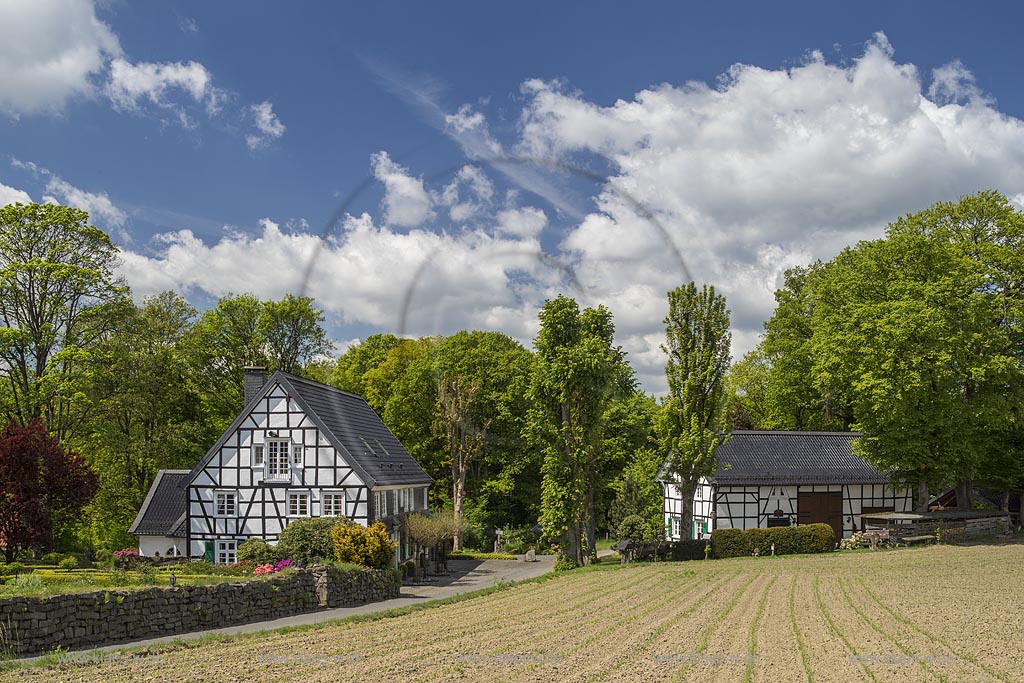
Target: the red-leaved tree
(40, 484)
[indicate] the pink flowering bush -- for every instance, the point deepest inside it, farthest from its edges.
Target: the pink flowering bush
(127, 552)
(281, 565)
(263, 569)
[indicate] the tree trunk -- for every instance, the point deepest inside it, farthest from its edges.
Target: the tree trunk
(922, 496)
(687, 491)
(1004, 503)
(571, 548)
(458, 503)
(590, 533)
(963, 494)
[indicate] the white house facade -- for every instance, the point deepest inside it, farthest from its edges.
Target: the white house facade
(298, 449)
(767, 479)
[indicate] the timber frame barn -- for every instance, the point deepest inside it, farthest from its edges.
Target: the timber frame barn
(299, 448)
(775, 478)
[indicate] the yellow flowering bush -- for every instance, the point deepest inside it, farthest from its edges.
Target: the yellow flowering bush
(368, 546)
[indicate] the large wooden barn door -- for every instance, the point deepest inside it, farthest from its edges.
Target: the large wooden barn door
(825, 508)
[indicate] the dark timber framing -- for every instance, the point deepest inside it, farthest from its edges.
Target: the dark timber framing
(335, 445)
(761, 476)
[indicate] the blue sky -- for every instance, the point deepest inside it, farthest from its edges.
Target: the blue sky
(439, 166)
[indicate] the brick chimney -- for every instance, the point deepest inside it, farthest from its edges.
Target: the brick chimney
(255, 378)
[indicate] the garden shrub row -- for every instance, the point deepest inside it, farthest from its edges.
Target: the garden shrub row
(809, 538)
(689, 549)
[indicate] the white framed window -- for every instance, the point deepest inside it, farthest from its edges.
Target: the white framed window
(226, 552)
(334, 504)
(258, 452)
(297, 453)
(277, 459)
(225, 503)
(298, 504)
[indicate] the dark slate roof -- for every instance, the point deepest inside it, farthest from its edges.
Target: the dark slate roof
(357, 432)
(349, 424)
(163, 511)
(766, 457)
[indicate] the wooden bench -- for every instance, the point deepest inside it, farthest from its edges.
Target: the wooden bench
(911, 540)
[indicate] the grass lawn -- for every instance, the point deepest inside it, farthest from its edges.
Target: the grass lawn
(48, 580)
(939, 613)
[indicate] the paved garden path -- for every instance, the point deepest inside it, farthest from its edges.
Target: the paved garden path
(464, 576)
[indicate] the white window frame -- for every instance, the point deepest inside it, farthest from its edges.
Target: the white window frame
(298, 455)
(337, 509)
(226, 550)
(259, 455)
(283, 471)
(222, 511)
(297, 495)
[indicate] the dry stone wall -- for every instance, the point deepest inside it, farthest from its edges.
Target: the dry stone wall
(37, 625)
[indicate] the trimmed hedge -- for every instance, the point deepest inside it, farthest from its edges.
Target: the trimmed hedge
(809, 538)
(686, 550)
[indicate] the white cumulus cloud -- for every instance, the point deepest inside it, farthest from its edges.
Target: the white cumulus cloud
(11, 195)
(268, 126)
(733, 182)
(407, 203)
(416, 282)
(50, 52)
(728, 183)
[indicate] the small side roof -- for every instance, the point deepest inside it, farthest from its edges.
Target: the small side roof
(163, 511)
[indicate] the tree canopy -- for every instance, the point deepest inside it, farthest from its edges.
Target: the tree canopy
(693, 423)
(59, 296)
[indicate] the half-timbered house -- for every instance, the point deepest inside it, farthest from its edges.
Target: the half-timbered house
(297, 449)
(768, 478)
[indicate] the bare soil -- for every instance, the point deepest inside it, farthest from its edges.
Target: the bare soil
(941, 613)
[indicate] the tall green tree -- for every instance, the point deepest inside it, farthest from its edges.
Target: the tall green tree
(747, 383)
(292, 330)
(359, 359)
(488, 373)
(632, 459)
(576, 373)
(58, 296)
(242, 330)
(694, 419)
(402, 389)
(796, 398)
(224, 340)
(147, 417)
(924, 326)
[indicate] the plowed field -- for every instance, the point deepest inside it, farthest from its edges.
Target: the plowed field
(931, 614)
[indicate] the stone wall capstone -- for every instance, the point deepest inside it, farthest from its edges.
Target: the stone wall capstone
(36, 625)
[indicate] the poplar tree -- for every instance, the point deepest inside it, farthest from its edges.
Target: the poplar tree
(694, 417)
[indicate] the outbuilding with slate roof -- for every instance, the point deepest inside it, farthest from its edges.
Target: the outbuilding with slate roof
(775, 478)
(160, 524)
(297, 449)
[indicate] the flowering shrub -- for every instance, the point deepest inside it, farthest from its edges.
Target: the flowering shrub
(126, 553)
(370, 547)
(267, 568)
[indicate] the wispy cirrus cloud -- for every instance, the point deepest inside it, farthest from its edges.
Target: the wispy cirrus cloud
(470, 130)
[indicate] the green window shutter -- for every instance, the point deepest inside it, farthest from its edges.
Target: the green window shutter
(208, 551)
